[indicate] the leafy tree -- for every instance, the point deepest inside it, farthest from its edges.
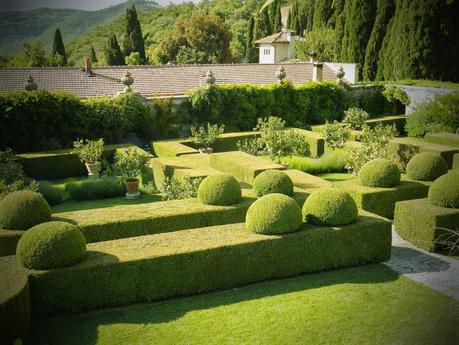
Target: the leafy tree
(201, 39)
(133, 59)
(278, 18)
(132, 38)
(93, 55)
(113, 54)
(250, 50)
(322, 13)
(322, 41)
(384, 12)
(31, 55)
(58, 47)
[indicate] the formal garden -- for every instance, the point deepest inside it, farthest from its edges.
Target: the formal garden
(241, 215)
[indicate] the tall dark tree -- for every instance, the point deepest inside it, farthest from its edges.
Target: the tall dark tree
(58, 47)
(132, 38)
(295, 18)
(250, 50)
(278, 18)
(385, 11)
(93, 55)
(266, 23)
(359, 22)
(113, 54)
(322, 13)
(289, 19)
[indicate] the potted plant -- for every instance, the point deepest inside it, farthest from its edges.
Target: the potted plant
(90, 153)
(130, 165)
(204, 138)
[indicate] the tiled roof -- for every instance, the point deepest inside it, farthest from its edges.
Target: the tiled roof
(152, 80)
(280, 37)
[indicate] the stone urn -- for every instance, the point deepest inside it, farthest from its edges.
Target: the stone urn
(93, 169)
(132, 188)
(207, 150)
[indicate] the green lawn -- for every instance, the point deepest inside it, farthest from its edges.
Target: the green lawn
(335, 177)
(364, 305)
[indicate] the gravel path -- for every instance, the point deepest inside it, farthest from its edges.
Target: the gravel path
(439, 272)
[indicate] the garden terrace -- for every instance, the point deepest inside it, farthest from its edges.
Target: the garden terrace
(450, 139)
(198, 260)
(315, 140)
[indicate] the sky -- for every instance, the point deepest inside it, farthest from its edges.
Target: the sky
(18, 5)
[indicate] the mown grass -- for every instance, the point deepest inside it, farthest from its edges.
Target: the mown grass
(335, 177)
(364, 305)
(330, 162)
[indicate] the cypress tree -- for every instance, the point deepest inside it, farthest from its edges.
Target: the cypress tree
(93, 55)
(278, 18)
(58, 47)
(289, 19)
(322, 13)
(133, 39)
(266, 28)
(272, 16)
(295, 19)
(113, 53)
(385, 11)
(359, 20)
(249, 49)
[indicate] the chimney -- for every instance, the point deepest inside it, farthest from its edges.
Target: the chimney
(87, 66)
(317, 69)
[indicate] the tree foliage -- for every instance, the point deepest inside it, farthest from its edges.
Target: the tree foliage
(113, 55)
(58, 48)
(132, 38)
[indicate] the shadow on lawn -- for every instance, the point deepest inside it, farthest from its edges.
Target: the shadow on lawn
(407, 260)
(84, 327)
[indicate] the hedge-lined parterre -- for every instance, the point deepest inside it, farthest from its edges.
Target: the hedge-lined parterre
(51, 245)
(426, 166)
(274, 214)
(93, 189)
(379, 173)
(272, 181)
(444, 191)
(219, 189)
(23, 209)
(331, 207)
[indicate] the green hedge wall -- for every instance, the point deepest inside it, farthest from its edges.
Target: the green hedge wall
(9, 240)
(199, 260)
(450, 139)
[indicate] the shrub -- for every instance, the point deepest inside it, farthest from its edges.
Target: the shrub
(89, 151)
(394, 93)
(219, 189)
(175, 189)
(203, 137)
(22, 210)
(130, 165)
(51, 245)
(273, 214)
(426, 166)
(355, 117)
(272, 181)
(331, 207)
(12, 177)
(336, 135)
(93, 189)
(379, 173)
(440, 114)
(52, 194)
(444, 191)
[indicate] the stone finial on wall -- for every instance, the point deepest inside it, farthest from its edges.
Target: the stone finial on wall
(280, 74)
(340, 75)
(127, 80)
(209, 78)
(30, 84)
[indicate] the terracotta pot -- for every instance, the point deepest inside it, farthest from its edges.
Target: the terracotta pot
(93, 169)
(132, 188)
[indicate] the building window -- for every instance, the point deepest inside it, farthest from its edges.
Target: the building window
(267, 51)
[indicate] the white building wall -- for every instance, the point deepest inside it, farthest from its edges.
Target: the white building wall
(351, 72)
(267, 53)
(282, 51)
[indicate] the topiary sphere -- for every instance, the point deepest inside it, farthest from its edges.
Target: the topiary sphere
(51, 245)
(444, 191)
(273, 214)
(272, 181)
(219, 189)
(426, 166)
(328, 206)
(379, 173)
(23, 209)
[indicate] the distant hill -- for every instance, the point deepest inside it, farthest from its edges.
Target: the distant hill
(19, 27)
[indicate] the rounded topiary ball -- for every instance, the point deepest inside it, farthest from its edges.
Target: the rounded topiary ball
(274, 214)
(331, 207)
(219, 189)
(379, 173)
(426, 166)
(51, 245)
(23, 209)
(272, 181)
(444, 191)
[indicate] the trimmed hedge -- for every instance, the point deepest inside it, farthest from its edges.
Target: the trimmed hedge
(9, 240)
(306, 182)
(450, 139)
(23, 209)
(398, 120)
(124, 221)
(381, 201)
(51, 245)
(52, 194)
(15, 309)
(272, 181)
(379, 173)
(456, 162)
(171, 148)
(195, 261)
(315, 140)
(331, 207)
(57, 164)
(93, 189)
(444, 191)
(420, 222)
(219, 189)
(426, 166)
(274, 214)
(331, 161)
(241, 165)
